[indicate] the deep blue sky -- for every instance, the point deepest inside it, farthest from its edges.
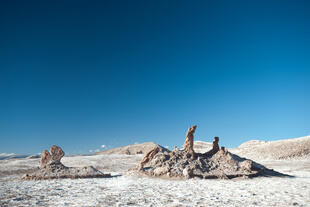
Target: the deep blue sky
(80, 74)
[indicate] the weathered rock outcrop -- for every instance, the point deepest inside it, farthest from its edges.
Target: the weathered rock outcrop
(57, 153)
(216, 163)
(52, 168)
(189, 140)
(215, 147)
(45, 158)
(150, 155)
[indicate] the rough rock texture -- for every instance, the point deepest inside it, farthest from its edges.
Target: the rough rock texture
(150, 155)
(216, 163)
(189, 140)
(52, 168)
(215, 147)
(45, 158)
(57, 153)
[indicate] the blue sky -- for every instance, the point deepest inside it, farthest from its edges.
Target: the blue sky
(80, 74)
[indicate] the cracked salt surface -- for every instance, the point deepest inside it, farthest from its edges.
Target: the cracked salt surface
(133, 190)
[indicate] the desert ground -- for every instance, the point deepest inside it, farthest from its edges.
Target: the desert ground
(127, 188)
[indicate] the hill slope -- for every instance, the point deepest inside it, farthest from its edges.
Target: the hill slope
(255, 149)
(280, 149)
(131, 149)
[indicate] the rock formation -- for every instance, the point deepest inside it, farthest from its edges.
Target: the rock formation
(45, 158)
(52, 168)
(57, 153)
(215, 147)
(217, 163)
(189, 140)
(150, 155)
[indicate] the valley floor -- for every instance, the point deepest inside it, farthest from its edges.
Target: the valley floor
(128, 189)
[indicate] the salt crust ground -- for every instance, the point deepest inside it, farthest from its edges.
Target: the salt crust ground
(127, 189)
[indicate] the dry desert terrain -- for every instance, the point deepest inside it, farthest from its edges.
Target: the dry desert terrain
(127, 188)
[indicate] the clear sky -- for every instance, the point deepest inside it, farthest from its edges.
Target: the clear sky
(80, 74)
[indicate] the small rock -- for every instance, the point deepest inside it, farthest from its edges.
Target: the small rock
(187, 173)
(161, 171)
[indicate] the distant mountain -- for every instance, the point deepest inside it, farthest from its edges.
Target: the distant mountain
(296, 148)
(202, 147)
(131, 149)
(280, 149)
(199, 146)
(8, 156)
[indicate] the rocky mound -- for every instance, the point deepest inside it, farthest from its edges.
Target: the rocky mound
(281, 149)
(216, 163)
(131, 149)
(52, 168)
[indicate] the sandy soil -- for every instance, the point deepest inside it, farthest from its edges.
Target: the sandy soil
(128, 189)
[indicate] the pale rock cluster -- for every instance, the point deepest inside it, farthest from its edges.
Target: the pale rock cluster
(185, 163)
(52, 168)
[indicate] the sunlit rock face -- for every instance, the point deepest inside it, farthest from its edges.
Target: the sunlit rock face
(189, 140)
(186, 163)
(52, 168)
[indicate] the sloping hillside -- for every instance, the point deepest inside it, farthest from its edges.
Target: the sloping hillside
(202, 147)
(255, 149)
(6, 156)
(131, 149)
(199, 146)
(280, 149)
